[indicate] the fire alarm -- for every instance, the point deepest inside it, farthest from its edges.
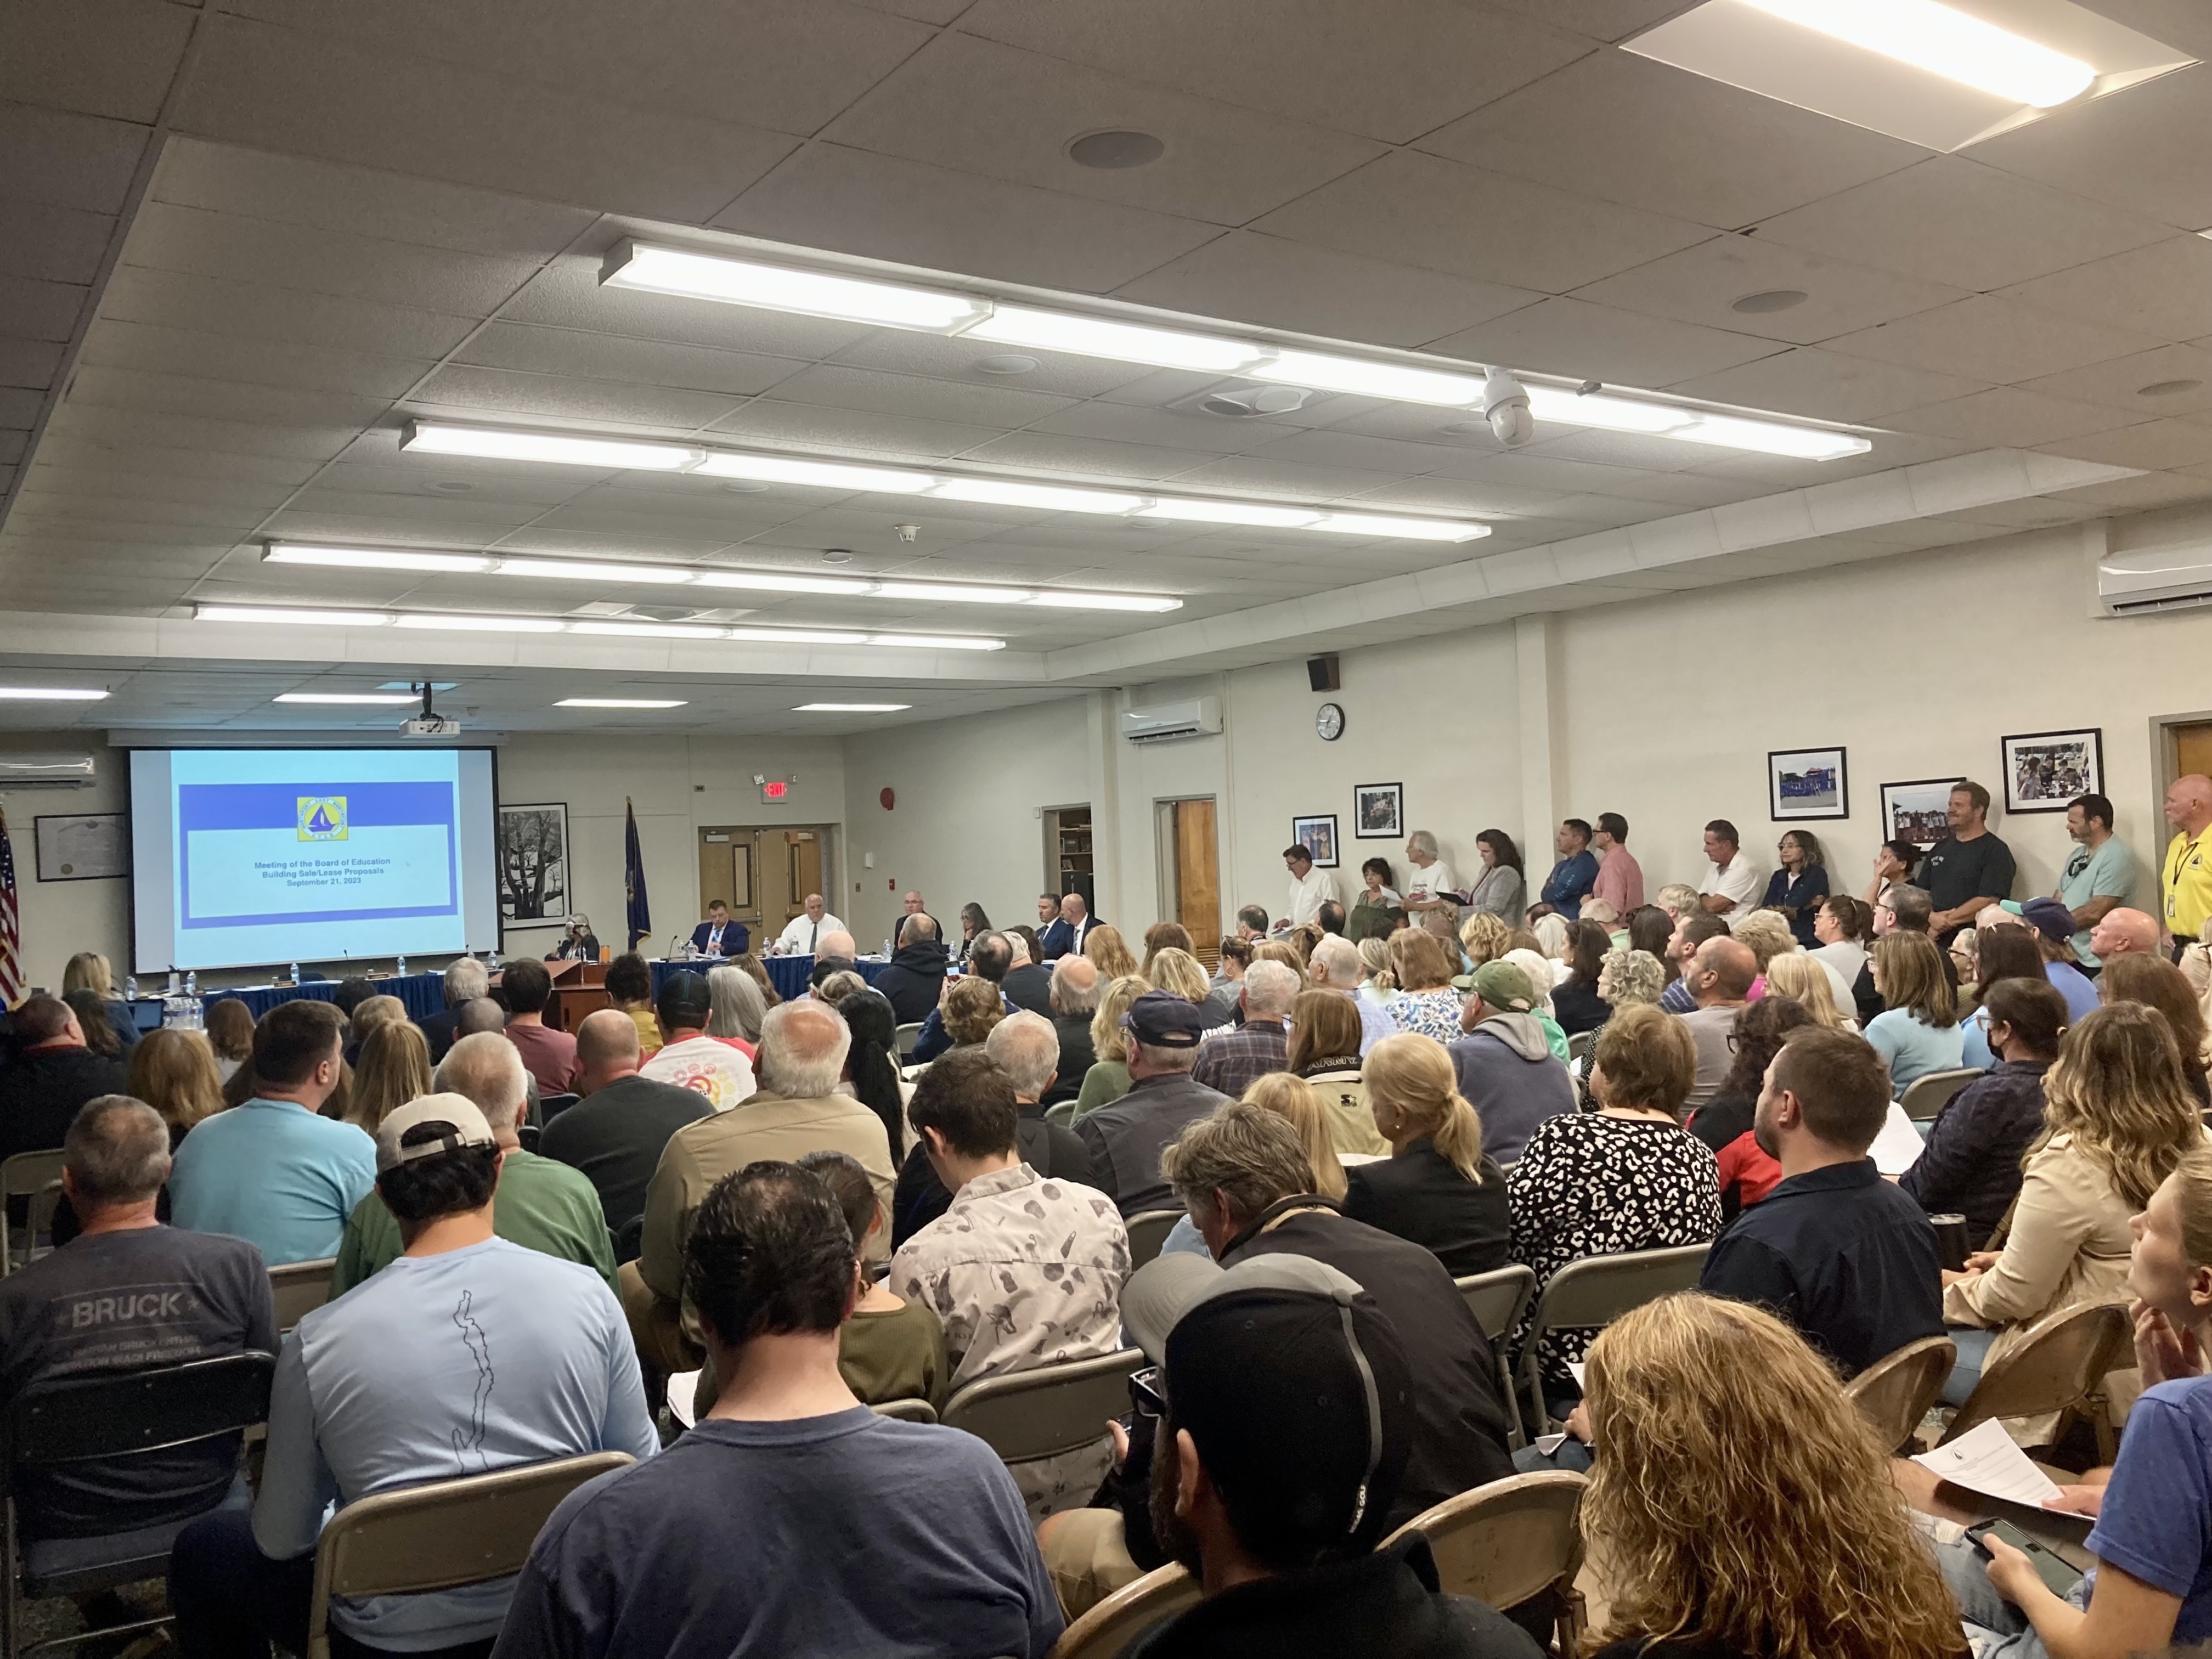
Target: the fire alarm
(887, 800)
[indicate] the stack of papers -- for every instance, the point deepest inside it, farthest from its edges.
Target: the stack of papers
(1898, 1145)
(1986, 1460)
(683, 1388)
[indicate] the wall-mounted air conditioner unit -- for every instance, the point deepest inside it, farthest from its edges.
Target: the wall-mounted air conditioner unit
(2155, 578)
(46, 772)
(1194, 717)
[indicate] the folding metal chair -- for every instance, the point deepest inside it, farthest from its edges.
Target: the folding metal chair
(1897, 1390)
(1029, 1415)
(1147, 1232)
(36, 1176)
(300, 1288)
(1596, 1291)
(1927, 1095)
(2058, 1366)
(1510, 1541)
(1108, 1629)
(1498, 1300)
(910, 1411)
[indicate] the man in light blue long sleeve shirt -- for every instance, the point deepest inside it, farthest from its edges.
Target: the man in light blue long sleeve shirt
(466, 1355)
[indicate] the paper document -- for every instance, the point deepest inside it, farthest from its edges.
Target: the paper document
(1575, 1370)
(681, 1389)
(1986, 1460)
(1898, 1145)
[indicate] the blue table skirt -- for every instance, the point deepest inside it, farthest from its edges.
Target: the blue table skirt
(788, 974)
(424, 994)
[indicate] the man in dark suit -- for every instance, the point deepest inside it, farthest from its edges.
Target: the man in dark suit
(1028, 983)
(1066, 935)
(717, 936)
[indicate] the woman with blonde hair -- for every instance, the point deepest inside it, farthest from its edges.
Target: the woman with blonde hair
(175, 1072)
(1181, 973)
(87, 974)
(1484, 937)
(1324, 1051)
(2117, 1119)
(1163, 936)
(1289, 1096)
(1767, 933)
(1282, 951)
(1747, 1504)
(1107, 1079)
(1628, 979)
(2137, 976)
(371, 1013)
(1804, 979)
(1550, 931)
(394, 1069)
(1919, 1031)
(1436, 1189)
(1423, 975)
(1103, 948)
(1378, 984)
(230, 1035)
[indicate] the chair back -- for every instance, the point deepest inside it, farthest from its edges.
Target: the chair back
(1931, 1092)
(136, 1412)
(441, 1535)
(37, 1176)
(904, 1039)
(1109, 1628)
(551, 1106)
(2060, 1363)
(1598, 1290)
(300, 1287)
(1499, 1298)
(1147, 1232)
(908, 1411)
(527, 1135)
(1579, 1046)
(1897, 1390)
(1044, 1412)
(1508, 1541)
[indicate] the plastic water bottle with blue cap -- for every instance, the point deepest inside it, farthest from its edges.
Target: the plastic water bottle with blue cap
(400, 972)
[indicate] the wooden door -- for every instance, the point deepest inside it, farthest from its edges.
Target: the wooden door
(1198, 878)
(2192, 750)
(802, 851)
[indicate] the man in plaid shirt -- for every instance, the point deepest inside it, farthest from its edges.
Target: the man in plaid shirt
(1232, 1057)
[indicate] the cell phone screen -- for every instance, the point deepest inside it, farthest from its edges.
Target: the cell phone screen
(2052, 1570)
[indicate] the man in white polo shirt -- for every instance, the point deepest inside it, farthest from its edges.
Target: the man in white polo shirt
(1733, 883)
(1311, 888)
(801, 933)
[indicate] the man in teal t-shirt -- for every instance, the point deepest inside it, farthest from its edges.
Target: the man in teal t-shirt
(2100, 874)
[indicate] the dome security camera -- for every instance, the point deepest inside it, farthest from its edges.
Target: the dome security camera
(1506, 406)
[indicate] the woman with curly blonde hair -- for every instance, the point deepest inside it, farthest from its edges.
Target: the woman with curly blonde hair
(1484, 937)
(1103, 946)
(1107, 1079)
(971, 1007)
(1800, 1550)
(1626, 978)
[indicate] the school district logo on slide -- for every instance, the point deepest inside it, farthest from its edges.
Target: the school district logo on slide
(322, 817)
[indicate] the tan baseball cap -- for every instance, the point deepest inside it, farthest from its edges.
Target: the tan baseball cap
(470, 1129)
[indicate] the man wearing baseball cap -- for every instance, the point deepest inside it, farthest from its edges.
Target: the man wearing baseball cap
(466, 1355)
(1285, 1416)
(1504, 1061)
(688, 1057)
(2054, 934)
(1126, 1139)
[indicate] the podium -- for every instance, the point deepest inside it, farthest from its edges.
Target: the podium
(579, 988)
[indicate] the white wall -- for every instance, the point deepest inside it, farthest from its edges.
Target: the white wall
(60, 918)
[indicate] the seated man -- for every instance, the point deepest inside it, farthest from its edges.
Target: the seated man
(127, 1294)
(1025, 1270)
(615, 1133)
(1232, 1057)
(1335, 966)
(48, 1076)
(272, 1171)
(1834, 1249)
(467, 1354)
(797, 1111)
(1245, 1178)
(1504, 1064)
(1074, 1005)
(792, 1519)
(805, 934)
(543, 1205)
(1291, 1409)
(915, 978)
(1126, 1139)
(1028, 983)
(465, 980)
(689, 1058)
(548, 1055)
(1065, 932)
(717, 936)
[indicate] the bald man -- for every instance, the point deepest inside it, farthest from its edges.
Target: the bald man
(2122, 931)
(615, 1133)
(2186, 879)
(1720, 977)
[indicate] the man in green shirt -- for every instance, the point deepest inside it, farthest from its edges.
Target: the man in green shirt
(2100, 875)
(543, 1205)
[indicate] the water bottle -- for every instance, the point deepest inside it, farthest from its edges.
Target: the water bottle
(492, 961)
(887, 950)
(193, 984)
(400, 972)
(130, 988)
(296, 973)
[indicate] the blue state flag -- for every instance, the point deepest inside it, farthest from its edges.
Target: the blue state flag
(640, 907)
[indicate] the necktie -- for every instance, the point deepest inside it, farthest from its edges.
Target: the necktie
(812, 937)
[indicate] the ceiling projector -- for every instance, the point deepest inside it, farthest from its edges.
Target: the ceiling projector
(430, 725)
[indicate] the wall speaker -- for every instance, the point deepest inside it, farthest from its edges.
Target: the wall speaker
(1321, 673)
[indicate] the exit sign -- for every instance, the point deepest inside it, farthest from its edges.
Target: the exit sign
(776, 790)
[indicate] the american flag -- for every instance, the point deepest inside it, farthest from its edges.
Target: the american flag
(11, 924)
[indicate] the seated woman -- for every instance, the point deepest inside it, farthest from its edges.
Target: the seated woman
(2117, 1118)
(1378, 986)
(1799, 886)
(1423, 973)
(1377, 909)
(1804, 979)
(1436, 1189)
(1971, 1165)
(1746, 1173)
(2000, 954)
(972, 920)
(1577, 1002)
(1843, 927)
(2151, 1586)
(1627, 1176)
(1285, 1095)
(230, 1033)
(1107, 1079)
(1747, 1502)
(1163, 936)
(1917, 1032)
(1105, 950)
(1325, 1033)
(739, 1008)
(1174, 969)
(1629, 978)
(1767, 933)
(2157, 983)
(1236, 959)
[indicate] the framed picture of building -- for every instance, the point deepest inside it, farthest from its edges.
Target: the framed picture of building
(1807, 783)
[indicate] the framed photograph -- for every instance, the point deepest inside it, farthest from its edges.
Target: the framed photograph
(534, 866)
(2043, 770)
(1318, 836)
(82, 849)
(1807, 783)
(1919, 811)
(1378, 810)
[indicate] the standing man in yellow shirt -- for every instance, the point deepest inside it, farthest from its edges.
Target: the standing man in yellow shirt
(2185, 878)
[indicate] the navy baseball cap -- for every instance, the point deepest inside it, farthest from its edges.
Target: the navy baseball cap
(1161, 1019)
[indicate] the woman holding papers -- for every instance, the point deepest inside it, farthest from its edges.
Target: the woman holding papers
(2153, 1539)
(2117, 1118)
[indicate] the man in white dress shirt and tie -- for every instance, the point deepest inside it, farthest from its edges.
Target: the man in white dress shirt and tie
(800, 934)
(1310, 889)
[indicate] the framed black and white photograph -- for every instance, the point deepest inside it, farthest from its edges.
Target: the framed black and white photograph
(1318, 836)
(86, 848)
(1807, 783)
(1918, 812)
(2044, 770)
(534, 866)
(1378, 810)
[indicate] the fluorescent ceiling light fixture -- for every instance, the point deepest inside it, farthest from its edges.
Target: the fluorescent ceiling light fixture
(1252, 513)
(770, 582)
(1810, 443)
(587, 570)
(1694, 426)
(1946, 42)
(1418, 530)
(464, 623)
(289, 617)
(822, 475)
(375, 558)
(798, 636)
(1130, 342)
(647, 630)
(849, 707)
(378, 698)
(1551, 402)
(1052, 498)
(778, 288)
(504, 444)
(954, 593)
(939, 642)
(1062, 599)
(1327, 372)
(623, 703)
(50, 694)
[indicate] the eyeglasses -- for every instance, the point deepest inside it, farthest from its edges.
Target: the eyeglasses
(1145, 1396)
